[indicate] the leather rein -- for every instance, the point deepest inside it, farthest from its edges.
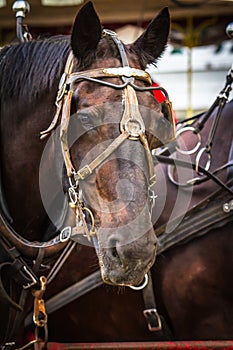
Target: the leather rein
(184, 126)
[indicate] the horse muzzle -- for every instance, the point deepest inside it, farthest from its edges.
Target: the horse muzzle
(126, 253)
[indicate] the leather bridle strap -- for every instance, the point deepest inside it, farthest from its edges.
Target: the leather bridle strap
(113, 35)
(127, 131)
(85, 171)
(131, 126)
(61, 92)
(63, 133)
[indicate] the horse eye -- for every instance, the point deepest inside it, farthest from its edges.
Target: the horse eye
(86, 120)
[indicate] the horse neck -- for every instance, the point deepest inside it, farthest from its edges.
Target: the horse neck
(21, 151)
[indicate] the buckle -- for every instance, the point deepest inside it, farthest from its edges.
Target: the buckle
(32, 278)
(84, 172)
(65, 234)
(152, 181)
(153, 320)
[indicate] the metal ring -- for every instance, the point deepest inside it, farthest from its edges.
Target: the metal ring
(109, 32)
(132, 133)
(143, 285)
(92, 231)
(170, 173)
(73, 195)
(194, 149)
(198, 157)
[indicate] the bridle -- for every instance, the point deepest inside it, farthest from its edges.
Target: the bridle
(131, 125)
(63, 104)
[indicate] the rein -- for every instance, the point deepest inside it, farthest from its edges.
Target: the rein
(212, 212)
(218, 104)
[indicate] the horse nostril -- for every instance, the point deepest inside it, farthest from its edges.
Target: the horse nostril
(114, 252)
(113, 243)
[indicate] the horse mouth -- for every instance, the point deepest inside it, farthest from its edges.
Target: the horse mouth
(117, 270)
(123, 277)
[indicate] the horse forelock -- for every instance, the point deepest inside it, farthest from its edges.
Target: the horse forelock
(28, 70)
(108, 52)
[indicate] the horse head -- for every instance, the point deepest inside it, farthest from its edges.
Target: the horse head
(113, 122)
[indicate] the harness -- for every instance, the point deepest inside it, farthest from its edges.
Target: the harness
(14, 246)
(214, 211)
(132, 127)
(195, 129)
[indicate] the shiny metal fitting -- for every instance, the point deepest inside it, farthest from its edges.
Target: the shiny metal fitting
(21, 8)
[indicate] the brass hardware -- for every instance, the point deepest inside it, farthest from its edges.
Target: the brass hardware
(39, 315)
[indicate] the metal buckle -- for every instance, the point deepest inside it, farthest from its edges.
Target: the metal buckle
(84, 172)
(32, 277)
(108, 32)
(65, 234)
(153, 320)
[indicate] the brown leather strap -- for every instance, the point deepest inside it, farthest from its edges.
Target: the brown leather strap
(61, 91)
(131, 120)
(85, 171)
(144, 141)
(63, 132)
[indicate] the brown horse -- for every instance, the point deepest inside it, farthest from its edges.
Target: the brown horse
(96, 154)
(192, 281)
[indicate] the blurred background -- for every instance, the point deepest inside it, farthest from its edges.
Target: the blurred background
(199, 54)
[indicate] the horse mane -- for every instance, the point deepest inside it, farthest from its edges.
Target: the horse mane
(28, 70)
(31, 68)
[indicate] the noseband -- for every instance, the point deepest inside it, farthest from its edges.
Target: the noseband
(131, 125)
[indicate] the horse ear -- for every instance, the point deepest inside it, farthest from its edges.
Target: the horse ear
(151, 44)
(86, 33)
